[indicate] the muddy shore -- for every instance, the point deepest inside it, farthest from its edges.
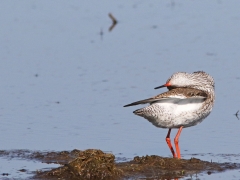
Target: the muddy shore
(95, 164)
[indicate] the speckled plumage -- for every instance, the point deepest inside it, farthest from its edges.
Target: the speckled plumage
(189, 100)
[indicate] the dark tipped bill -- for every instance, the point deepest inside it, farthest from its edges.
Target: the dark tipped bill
(160, 86)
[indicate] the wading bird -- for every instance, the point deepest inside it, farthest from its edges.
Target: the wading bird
(187, 103)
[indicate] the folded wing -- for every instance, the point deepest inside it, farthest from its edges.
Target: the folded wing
(176, 95)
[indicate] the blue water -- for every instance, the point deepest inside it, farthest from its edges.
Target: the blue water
(65, 78)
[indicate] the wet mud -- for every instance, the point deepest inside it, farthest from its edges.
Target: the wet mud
(95, 164)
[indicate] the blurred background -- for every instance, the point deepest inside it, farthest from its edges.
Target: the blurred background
(65, 75)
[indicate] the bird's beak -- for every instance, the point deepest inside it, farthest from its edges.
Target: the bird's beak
(165, 85)
(160, 86)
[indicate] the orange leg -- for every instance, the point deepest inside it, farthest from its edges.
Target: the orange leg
(168, 140)
(176, 142)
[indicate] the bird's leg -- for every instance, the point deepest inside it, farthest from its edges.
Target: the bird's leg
(176, 142)
(168, 140)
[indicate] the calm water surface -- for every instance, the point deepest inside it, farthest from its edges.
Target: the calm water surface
(65, 78)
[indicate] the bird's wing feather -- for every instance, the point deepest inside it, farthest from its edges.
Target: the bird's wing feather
(185, 95)
(150, 100)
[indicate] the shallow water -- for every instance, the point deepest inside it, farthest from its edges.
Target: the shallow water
(64, 77)
(22, 169)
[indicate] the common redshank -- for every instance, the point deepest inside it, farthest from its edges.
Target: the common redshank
(188, 102)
